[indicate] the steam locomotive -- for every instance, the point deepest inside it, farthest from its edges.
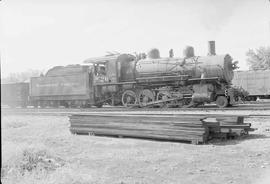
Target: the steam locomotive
(124, 79)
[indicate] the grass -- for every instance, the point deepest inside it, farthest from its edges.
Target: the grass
(40, 149)
(28, 161)
(15, 124)
(38, 164)
(33, 152)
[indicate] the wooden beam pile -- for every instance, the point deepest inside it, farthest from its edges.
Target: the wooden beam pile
(227, 126)
(192, 128)
(176, 128)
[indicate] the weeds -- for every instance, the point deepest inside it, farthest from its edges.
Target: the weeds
(31, 160)
(15, 124)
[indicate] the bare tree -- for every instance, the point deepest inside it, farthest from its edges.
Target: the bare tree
(259, 59)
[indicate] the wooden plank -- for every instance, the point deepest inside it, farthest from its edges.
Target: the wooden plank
(142, 126)
(191, 117)
(235, 126)
(132, 120)
(142, 123)
(168, 132)
(158, 118)
(137, 132)
(140, 134)
(151, 119)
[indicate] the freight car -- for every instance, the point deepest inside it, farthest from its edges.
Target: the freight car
(15, 94)
(256, 83)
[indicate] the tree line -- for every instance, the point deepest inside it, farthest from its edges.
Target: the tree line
(259, 59)
(21, 76)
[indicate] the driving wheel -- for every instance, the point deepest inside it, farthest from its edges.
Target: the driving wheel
(129, 98)
(146, 96)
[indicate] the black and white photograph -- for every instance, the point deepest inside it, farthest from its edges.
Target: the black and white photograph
(135, 91)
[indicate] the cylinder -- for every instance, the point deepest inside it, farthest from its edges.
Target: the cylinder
(211, 48)
(188, 52)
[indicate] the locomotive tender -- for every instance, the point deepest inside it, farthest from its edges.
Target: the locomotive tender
(123, 79)
(62, 86)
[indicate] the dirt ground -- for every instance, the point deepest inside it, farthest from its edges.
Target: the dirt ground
(40, 149)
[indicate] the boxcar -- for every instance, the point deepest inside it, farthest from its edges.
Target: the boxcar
(256, 83)
(15, 94)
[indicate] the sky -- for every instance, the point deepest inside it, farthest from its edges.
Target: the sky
(36, 34)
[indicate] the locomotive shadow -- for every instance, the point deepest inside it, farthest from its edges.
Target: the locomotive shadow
(237, 140)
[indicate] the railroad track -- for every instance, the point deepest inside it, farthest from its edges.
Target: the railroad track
(249, 106)
(252, 110)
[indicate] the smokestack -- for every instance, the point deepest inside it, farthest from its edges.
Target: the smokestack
(211, 48)
(188, 52)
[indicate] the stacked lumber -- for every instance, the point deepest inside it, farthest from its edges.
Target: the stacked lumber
(227, 126)
(162, 127)
(171, 127)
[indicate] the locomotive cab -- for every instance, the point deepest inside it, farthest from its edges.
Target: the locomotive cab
(108, 72)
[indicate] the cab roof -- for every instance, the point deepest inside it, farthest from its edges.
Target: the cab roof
(101, 60)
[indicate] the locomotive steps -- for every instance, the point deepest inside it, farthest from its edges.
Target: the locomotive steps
(170, 127)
